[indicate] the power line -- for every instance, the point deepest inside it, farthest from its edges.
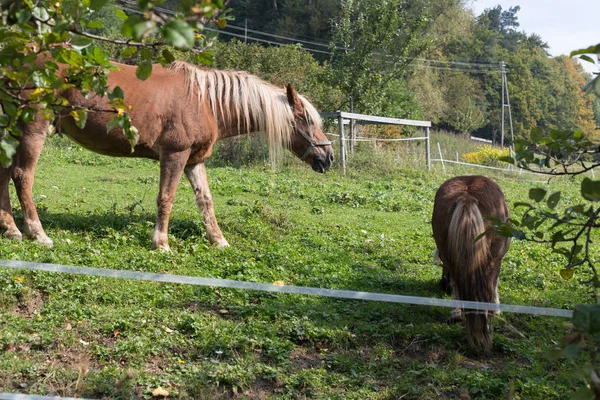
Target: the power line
(442, 65)
(277, 36)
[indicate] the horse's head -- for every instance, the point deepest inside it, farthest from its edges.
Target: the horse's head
(308, 142)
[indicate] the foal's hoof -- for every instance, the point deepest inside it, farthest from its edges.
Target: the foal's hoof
(13, 235)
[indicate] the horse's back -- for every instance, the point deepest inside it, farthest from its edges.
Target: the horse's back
(480, 191)
(487, 194)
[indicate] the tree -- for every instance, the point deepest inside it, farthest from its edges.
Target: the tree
(67, 30)
(372, 44)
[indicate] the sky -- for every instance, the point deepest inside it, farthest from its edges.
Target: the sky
(564, 25)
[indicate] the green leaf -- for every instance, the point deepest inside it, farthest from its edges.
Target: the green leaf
(178, 34)
(553, 200)
(587, 58)
(594, 86)
(589, 50)
(507, 159)
(8, 148)
(557, 237)
(42, 14)
(572, 351)
(117, 92)
(583, 393)
(590, 190)
(566, 274)
(94, 24)
(9, 108)
(80, 117)
(28, 114)
(142, 29)
(121, 14)
(144, 70)
(168, 56)
(47, 114)
(97, 4)
(113, 122)
(128, 52)
(595, 319)
(537, 194)
(578, 135)
(581, 318)
(536, 134)
(80, 42)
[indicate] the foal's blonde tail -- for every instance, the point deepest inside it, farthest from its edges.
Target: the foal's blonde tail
(470, 268)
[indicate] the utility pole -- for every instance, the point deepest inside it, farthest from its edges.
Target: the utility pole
(505, 104)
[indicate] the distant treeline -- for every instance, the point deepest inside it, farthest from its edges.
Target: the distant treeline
(460, 91)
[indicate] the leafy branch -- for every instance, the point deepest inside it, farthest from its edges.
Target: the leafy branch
(570, 154)
(30, 86)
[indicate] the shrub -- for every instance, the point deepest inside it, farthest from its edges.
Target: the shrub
(486, 155)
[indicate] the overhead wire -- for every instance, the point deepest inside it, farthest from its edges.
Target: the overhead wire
(424, 63)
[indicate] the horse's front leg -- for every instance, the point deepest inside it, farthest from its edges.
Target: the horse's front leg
(171, 168)
(23, 170)
(196, 174)
(7, 222)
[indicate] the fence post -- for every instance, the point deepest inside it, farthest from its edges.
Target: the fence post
(427, 149)
(342, 143)
(441, 157)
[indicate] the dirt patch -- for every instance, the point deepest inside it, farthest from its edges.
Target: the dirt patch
(301, 358)
(155, 365)
(30, 304)
(261, 389)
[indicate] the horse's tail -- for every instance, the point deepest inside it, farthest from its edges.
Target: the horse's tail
(470, 272)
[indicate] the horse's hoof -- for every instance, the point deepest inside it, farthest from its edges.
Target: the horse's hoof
(221, 244)
(456, 317)
(44, 241)
(13, 235)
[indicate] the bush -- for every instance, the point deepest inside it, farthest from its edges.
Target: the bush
(486, 155)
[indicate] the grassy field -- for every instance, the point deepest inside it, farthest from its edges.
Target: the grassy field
(369, 231)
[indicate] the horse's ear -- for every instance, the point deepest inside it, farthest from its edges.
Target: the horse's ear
(293, 97)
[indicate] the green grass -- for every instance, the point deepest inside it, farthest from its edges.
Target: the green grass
(369, 231)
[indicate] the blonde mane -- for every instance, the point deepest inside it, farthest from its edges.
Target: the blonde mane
(247, 99)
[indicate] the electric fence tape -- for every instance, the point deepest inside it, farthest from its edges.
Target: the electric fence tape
(18, 396)
(266, 287)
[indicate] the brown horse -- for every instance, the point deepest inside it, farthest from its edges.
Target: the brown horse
(471, 265)
(181, 111)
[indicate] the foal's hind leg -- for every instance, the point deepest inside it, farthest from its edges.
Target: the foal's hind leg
(7, 222)
(196, 174)
(23, 171)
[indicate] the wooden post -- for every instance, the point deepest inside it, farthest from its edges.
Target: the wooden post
(427, 150)
(342, 143)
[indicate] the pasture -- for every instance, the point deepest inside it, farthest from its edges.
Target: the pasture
(369, 231)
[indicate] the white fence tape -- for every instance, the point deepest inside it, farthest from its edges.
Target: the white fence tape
(266, 287)
(18, 396)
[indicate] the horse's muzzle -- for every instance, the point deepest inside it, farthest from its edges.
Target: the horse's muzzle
(322, 164)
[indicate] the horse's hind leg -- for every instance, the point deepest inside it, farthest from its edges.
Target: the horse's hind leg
(23, 171)
(196, 174)
(7, 222)
(171, 169)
